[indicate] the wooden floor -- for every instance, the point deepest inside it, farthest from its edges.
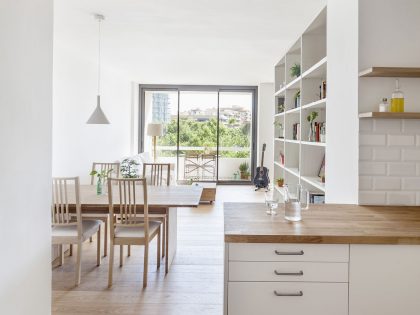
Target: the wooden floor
(194, 285)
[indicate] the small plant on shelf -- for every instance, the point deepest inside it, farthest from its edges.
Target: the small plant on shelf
(311, 118)
(279, 125)
(280, 181)
(297, 99)
(295, 70)
(244, 170)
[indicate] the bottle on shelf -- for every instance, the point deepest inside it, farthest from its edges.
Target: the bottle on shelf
(383, 106)
(397, 100)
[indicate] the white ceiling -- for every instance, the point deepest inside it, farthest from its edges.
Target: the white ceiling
(186, 41)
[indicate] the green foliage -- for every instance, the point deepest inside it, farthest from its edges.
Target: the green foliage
(295, 70)
(129, 168)
(101, 174)
(244, 167)
(204, 134)
(312, 116)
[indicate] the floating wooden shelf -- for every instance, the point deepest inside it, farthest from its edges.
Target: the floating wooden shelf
(396, 72)
(388, 115)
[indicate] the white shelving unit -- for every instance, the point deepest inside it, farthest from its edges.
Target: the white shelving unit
(302, 158)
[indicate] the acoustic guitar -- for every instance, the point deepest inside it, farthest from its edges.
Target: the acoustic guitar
(261, 179)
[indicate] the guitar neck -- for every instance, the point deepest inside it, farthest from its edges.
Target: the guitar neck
(262, 160)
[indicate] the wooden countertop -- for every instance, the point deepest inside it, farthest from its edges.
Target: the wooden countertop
(323, 224)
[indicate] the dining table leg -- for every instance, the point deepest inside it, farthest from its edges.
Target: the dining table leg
(171, 237)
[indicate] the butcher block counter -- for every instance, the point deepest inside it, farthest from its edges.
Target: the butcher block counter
(339, 260)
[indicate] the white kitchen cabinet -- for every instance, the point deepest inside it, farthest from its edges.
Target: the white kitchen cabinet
(384, 280)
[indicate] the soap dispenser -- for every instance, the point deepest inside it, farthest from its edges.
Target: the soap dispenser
(397, 100)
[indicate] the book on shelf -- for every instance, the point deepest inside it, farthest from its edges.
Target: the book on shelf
(316, 197)
(319, 130)
(296, 131)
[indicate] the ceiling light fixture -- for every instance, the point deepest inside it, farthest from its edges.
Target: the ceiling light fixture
(98, 116)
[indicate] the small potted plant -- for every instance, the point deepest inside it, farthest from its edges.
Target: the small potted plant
(295, 70)
(311, 118)
(280, 181)
(297, 99)
(244, 170)
(129, 168)
(102, 176)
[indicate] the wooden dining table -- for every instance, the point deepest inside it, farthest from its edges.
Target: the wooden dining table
(161, 199)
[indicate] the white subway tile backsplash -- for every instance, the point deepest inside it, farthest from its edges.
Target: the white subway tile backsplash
(402, 169)
(366, 125)
(389, 162)
(372, 168)
(411, 183)
(401, 140)
(411, 126)
(411, 154)
(372, 140)
(386, 154)
(401, 198)
(372, 198)
(365, 153)
(387, 126)
(387, 183)
(365, 183)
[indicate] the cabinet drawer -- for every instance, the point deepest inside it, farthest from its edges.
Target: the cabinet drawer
(288, 271)
(294, 298)
(289, 252)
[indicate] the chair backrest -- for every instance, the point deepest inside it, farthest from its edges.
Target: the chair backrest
(64, 191)
(130, 203)
(157, 174)
(99, 167)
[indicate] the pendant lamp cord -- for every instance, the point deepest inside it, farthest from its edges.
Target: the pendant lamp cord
(99, 55)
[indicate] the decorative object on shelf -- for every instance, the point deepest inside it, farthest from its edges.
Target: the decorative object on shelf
(323, 90)
(316, 197)
(321, 172)
(129, 168)
(311, 118)
(280, 105)
(323, 179)
(244, 170)
(397, 100)
(297, 99)
(296, 131)
(98, 117)
(280, 181)
(154, 130)
(281, 158)
(293, 206)
(322, 132)
(295, 70)
(279, 125)
(383, 106)
(100, 184)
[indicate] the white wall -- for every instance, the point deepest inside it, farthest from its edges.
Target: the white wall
(25, 139)
(266, 126)
(342, 113)
(75, 144)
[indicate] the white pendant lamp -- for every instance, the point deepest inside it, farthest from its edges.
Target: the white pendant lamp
(98, 117)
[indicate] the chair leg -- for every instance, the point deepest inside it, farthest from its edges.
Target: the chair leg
(146, 262)
(106, 238)
(121, 255)
(79, 263)
(61, 255)
(128, 250)
(163, 237)
(158, 250)
(71, 250)
(111, 263)
(98, 248)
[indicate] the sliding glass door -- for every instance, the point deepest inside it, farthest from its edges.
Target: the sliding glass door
(209, 131)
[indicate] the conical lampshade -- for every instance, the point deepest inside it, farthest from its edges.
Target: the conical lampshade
(98, 117)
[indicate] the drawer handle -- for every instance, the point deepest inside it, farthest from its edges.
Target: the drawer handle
(300, 273)
(300, 293)
(289, 253)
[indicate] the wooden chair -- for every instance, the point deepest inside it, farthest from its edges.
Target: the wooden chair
(156, 174)
(115, 172)
(70, 229)
(132, 225)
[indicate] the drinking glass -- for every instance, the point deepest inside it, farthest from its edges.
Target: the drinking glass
(294, 204)
(272, 201)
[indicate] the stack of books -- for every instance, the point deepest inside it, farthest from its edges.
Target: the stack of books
(319, 127)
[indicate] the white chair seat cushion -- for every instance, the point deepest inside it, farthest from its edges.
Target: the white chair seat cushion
(135, 231)
(89, 227)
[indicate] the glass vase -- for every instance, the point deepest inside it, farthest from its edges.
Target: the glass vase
(99, 186)
(311, 136)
